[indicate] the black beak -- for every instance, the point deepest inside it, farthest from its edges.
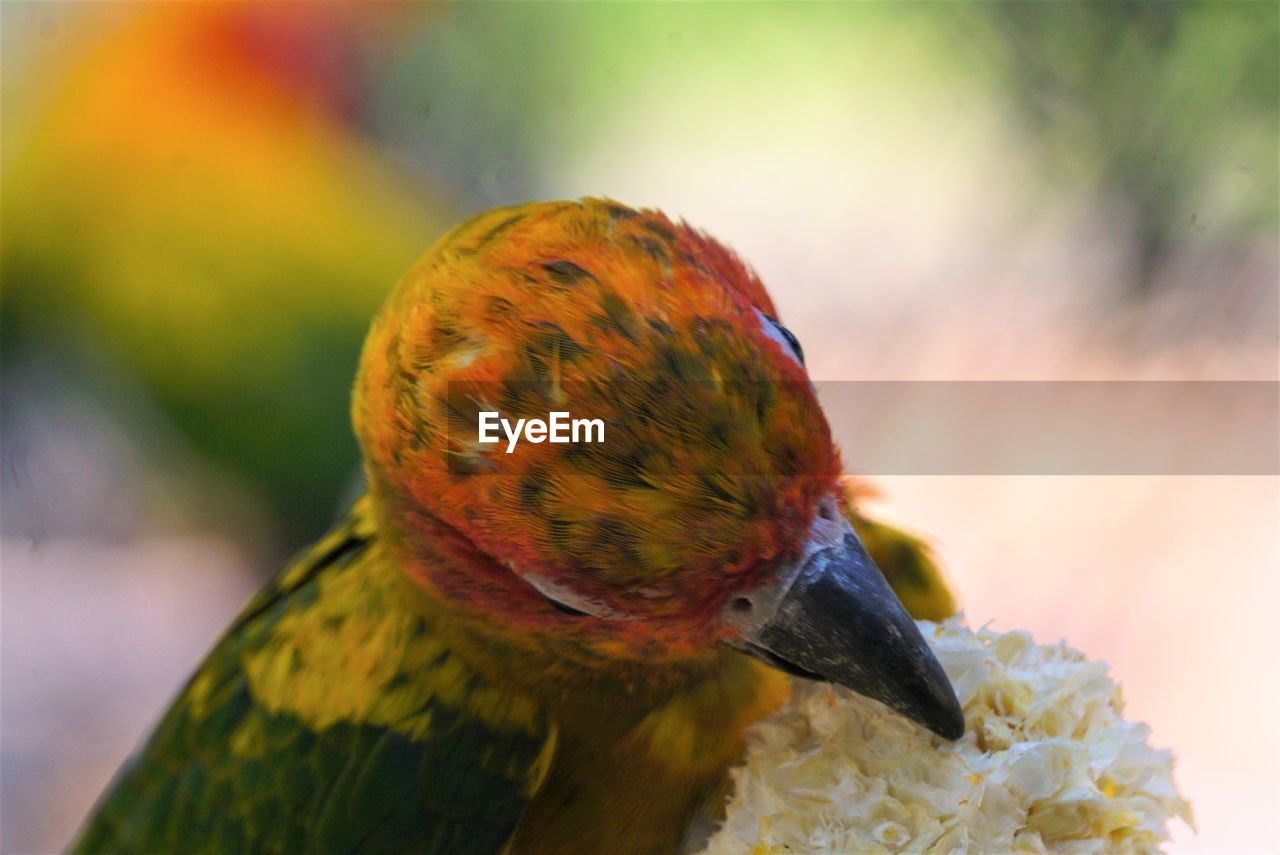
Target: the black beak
(831, 616)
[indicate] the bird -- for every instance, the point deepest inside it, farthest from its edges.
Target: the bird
(556, 648)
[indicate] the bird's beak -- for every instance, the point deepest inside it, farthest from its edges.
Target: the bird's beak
(830, 615)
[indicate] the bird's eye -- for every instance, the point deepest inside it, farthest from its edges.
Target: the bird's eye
(566, 600)
(569, 610)
(782, 336)
(791, 340)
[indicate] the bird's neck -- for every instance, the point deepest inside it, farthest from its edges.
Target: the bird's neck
(559, 667)
(557, 675)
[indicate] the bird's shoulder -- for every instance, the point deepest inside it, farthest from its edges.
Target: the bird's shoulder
(332, 717)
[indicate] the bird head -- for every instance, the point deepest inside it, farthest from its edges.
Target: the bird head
(704, 511)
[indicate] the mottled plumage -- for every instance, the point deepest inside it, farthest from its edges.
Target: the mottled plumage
(523, 651)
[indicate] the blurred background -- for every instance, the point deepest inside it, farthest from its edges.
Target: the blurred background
(203, 205)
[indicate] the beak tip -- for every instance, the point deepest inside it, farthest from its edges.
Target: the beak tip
(950, 724)
(934, 705)
(941, 708)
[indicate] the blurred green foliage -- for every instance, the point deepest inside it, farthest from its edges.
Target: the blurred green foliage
(1152, 104)
(1150, 108)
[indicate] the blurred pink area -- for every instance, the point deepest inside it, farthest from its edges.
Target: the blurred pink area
(98, 637)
